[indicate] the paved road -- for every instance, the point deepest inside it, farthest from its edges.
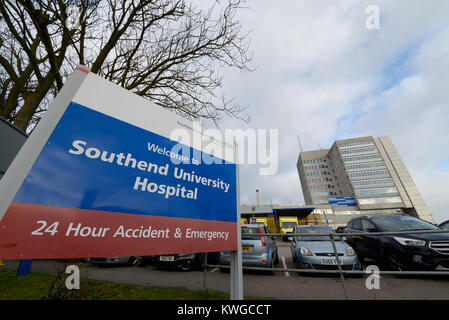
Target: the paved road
(283, 285)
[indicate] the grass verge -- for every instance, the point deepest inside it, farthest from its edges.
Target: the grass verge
(36, 285)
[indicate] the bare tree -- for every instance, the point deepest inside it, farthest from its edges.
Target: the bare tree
(168, 51)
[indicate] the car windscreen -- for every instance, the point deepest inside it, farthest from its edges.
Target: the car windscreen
(250, 233)
(402, 223)
(315, 230)
(288, 224)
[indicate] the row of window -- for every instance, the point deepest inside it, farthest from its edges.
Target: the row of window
(367, 157)
(356, 144)
(317, 173)
(322, 186)
(383, 211)
(323, 194)
(320, 202)
(314, 161)
(359, 150)
(321, 166)
(320, 180)
(380, 200)
(376, 182)
(369, 174)
(376, 192)
(365, 166)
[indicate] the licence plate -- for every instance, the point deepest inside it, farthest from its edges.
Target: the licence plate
(166, 258)
(330, 261)
(246, 248)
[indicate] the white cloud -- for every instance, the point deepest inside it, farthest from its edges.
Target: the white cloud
(322, 75)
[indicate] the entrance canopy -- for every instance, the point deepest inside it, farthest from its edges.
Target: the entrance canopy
(299, 212)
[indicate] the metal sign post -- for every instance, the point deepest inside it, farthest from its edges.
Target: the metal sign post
(236, 271)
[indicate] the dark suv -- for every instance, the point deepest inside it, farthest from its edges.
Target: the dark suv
(399, 252)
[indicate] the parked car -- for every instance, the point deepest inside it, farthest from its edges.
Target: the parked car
(340, 230)
(444, 225)
(184, 261)
(399, 252)
(135, 261)
(316, 252)
(287, 225)
(257, 251)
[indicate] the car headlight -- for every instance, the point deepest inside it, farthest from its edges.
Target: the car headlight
(350, 252)
(410, 242)
(305, 252)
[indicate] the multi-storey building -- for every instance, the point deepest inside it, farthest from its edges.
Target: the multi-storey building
(360, 176)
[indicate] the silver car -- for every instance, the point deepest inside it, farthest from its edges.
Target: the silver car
(315, 252)
(257, 251)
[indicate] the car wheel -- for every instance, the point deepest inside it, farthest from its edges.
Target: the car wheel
(393, 261)
(135, 261)
(303, 274)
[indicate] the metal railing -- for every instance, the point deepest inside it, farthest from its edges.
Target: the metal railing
(339, 269)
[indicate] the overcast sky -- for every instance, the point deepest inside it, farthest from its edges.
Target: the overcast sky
(322, 75)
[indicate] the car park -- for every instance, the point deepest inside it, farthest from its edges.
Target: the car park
(399, 252)
(316, 252)
(257, 251)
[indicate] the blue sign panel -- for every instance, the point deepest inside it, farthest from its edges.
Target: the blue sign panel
(342, 201)
(88, 168)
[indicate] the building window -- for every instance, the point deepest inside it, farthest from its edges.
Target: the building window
(319, 194)
(369, 174)
(375, 182)
(322, 186)
(364, 158)
(320, 202)
(316, 167)
(365, 166)
(314, 180)
(346, 212)
(377, 192)
(359, 150)
(380, 200)
(314, 161)
(356, 144)
(317, 173)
